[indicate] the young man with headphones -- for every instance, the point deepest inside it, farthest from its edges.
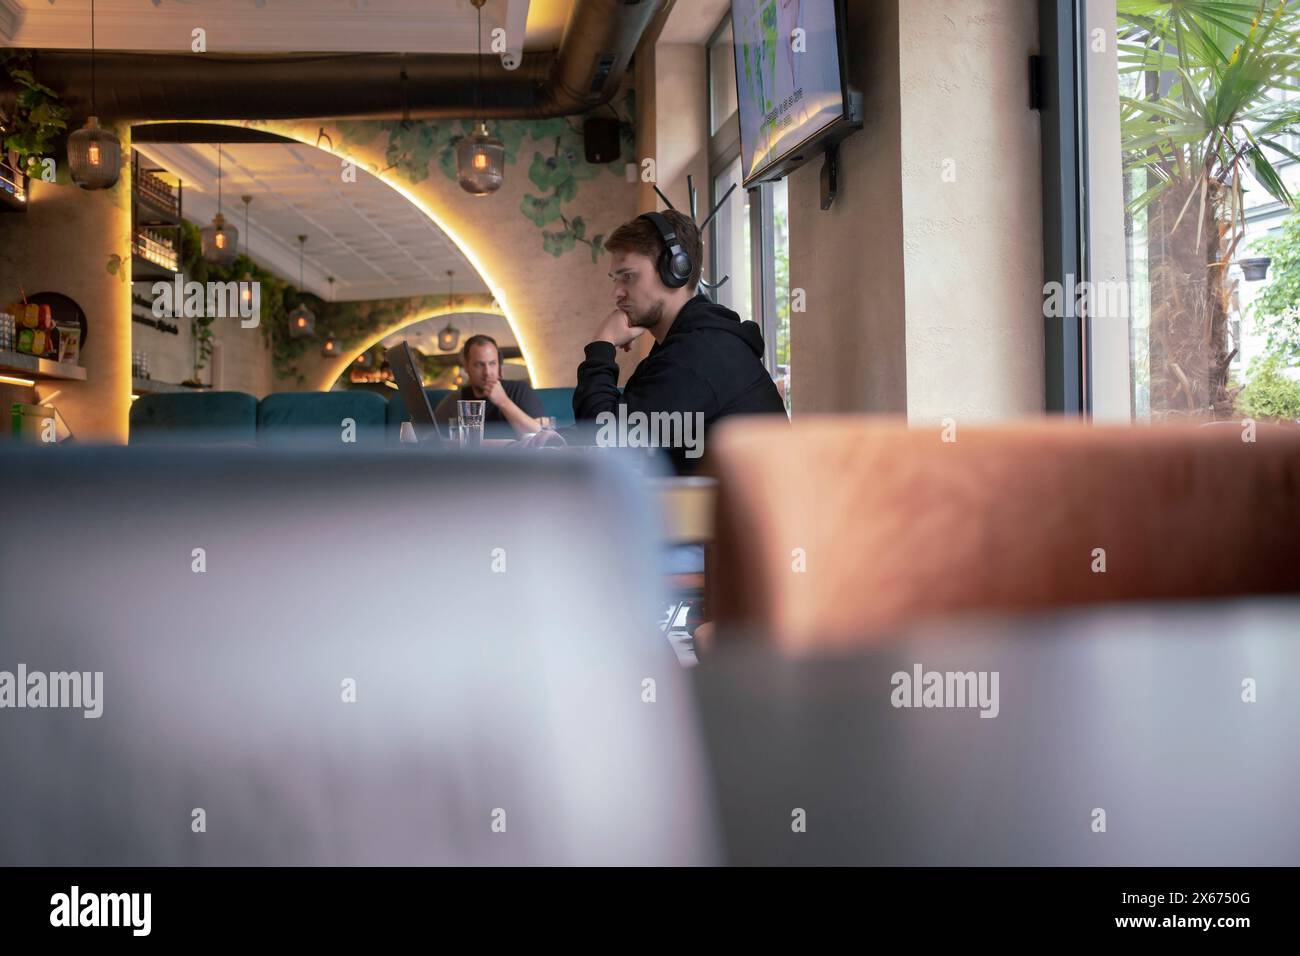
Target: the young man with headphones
(705, 360)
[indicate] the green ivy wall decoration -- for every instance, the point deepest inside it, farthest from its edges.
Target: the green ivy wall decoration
(38, 120)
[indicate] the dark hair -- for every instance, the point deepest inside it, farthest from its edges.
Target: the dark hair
(640, 235)
(474, 340)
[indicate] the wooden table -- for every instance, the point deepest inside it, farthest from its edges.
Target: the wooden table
(687, 502)
(688, 507)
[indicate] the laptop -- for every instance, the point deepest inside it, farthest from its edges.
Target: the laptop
(410, 385)
(316, 729)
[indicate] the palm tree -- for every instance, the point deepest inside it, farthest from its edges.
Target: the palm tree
(1203, 121)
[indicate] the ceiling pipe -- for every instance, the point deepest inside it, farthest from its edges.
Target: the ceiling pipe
(597, 45)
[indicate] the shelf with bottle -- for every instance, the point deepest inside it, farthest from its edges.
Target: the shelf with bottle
(157, 248)
(13, 188)
(156, 201)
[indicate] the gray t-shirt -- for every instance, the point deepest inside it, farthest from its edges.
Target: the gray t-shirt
(494, 423)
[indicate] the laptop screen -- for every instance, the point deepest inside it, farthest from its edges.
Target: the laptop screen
(410, 384)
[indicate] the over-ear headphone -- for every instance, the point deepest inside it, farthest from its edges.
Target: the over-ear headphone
(674, 264)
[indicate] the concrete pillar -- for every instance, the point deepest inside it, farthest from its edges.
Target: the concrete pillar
(63, 244)
(923, 282)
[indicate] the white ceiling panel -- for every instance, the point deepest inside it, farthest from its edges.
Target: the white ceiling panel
(369, 237)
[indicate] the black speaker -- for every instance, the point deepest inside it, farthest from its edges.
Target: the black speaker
(600, 140)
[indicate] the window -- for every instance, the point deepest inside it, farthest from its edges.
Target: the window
(729, 240)
(1191, 174)
(748, 239)
(722, 77)
(779, 250)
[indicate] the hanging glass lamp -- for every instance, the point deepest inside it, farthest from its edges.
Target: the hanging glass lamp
(219, 241)
(480, 162)
(94, 156)
(302, 322)
(480, 156)
(94, 153)
(450, 335)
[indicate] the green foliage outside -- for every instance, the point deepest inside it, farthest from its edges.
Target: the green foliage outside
(1277, 306)
(1269, 393)
(1201, 120)
(781, 271)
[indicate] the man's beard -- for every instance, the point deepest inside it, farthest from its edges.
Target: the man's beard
(651, 317)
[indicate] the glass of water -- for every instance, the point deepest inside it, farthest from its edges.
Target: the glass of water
(470, 415)
(547, 422)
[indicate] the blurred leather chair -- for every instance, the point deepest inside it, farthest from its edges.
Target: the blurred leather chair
(844, 528)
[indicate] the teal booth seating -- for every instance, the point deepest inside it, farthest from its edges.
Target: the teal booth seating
(237, 418)
(194, 418)
(203, 417)
(558, 403)
(322, 417)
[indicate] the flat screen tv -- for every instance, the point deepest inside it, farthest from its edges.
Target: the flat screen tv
(791, 83)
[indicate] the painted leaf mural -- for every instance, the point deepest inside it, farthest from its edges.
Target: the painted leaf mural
(556, 167)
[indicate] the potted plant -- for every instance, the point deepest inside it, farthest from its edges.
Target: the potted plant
(1255, 268)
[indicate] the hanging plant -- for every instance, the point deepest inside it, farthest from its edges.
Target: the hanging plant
(38, 120)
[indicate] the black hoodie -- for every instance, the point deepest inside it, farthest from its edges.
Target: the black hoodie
(709, 362)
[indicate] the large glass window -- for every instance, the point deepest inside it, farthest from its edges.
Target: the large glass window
(722, 77)
(749, 237)
(780, 253)
(1194, 252)
(729, 239)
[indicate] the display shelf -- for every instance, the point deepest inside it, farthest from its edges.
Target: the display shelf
(36, 367)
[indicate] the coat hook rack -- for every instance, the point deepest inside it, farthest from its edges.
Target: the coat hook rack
(691, 196)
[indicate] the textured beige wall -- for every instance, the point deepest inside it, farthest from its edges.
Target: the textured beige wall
(848, 350)
(973, 251)
(673, 130)
(62, 244)
(245, 361)
(682, 121)
(246, 358)
(924, 295)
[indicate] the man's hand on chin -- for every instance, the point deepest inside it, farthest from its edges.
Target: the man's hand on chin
(496, 394)
(615, 330)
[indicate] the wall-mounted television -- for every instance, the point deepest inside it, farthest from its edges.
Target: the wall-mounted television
(791, 83)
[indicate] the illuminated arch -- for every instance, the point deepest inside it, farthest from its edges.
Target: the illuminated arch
(502, 307)
(332, 369)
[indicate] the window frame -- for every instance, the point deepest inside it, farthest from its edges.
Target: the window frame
(1063, 109)
(724, 149)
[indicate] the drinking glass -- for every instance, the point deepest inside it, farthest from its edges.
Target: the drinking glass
(470, 415)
